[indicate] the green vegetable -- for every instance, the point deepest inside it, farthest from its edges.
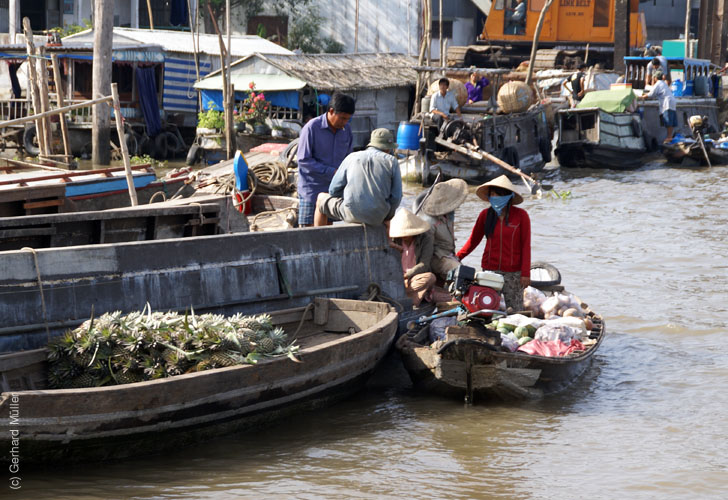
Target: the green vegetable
(521, 331)
(507, 326)
(524, 340)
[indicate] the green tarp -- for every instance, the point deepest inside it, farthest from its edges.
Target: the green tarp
(611, 101)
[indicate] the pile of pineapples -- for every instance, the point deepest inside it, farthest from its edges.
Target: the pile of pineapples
(123, 349)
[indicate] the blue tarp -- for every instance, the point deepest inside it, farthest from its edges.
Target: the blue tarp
(148, 100)
(178, 15)
(284, 99)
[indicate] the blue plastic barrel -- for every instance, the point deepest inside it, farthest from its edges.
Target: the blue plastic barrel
(408, 135)
(677, 88)
(689, 86)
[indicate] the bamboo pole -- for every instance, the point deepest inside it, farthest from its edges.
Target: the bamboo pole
(534, 46)
(122, 143)
(687, 29)
(61, 103)
(149, 11)
(71, 107)
(356, 27)
(45, 101)
(440, 37)
(101, 74)
(194, 47)
(32, 82)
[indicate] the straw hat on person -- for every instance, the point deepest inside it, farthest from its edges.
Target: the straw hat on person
(445, 197)
(502, 182)
(405, 223)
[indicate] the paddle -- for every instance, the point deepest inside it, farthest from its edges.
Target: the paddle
(478, 154)
(702, 146)
(429, 192)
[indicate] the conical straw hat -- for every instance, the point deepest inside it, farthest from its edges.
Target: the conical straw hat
(445, 197)
(501, 182)
(405, 223)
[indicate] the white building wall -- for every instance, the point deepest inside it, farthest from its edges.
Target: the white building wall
(463, 32)
(4, 15)
(384, 25)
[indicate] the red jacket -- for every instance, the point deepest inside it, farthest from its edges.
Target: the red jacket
(509, 247)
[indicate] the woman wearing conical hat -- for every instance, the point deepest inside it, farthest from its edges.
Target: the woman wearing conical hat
(412, 237)
(439, 209)
(508, 232)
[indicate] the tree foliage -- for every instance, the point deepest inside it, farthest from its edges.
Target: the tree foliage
(305, 34)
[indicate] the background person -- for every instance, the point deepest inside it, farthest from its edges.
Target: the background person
(443, 102)
(475, 87)
(659, 63)
(577, 85)
(439, 209)
(412, 237)
(508, 238)
(367, 188)
(323, 144)
(665, 102)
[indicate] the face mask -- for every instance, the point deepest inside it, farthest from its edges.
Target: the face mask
(499, 202)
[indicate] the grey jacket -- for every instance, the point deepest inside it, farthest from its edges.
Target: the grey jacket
(424, 247)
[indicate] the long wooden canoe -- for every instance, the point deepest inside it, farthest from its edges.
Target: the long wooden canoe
(477, 371)
(341, 343)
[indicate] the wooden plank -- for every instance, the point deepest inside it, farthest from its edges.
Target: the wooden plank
(42, 204)
(31, 231)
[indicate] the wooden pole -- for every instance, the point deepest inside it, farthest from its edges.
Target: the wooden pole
(101, 74)
(225, 88)
(621, 33)
(33, 87)
(122, 143)
(61, 103)
(428, 31)
(536, 35)
(149, 11)
(687, 29)
(194, 47)
(13, 19)
(70, 107)
(45, 101)
(440, 37)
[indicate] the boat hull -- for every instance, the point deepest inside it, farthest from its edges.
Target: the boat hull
(590, 155)
(476, 372)
(148, 417)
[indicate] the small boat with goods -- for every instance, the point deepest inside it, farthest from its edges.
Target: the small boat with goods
(603, 131)
(478, 352)
(146, 382)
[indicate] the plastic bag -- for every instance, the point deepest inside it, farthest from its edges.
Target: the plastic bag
(438, 327)
(532, 299)
(551, 332)
(550, 306)
(509, 343)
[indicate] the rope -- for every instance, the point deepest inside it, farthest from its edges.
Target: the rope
(202, 216)
(272, 177)
(40, 288)
(164, 197)
(374, 293)
(254, 227)
(303, 318)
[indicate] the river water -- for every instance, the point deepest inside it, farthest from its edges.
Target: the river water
(646, 249)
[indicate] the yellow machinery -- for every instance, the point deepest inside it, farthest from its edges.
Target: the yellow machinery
(573, 31)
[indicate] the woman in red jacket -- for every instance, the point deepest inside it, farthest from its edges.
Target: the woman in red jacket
(508, 232)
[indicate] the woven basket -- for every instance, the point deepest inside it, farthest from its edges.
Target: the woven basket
(514, 97)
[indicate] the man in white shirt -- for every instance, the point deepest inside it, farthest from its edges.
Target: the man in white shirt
(666, 103)
(443, 102)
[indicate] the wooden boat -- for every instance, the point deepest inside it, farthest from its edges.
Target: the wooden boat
(601, 133)
(686, 152)
(468, 366)
(45, 291)
(341, 343)
(519, 139)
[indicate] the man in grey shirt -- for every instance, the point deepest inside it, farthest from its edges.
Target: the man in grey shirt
(367, 187)
(443, 102)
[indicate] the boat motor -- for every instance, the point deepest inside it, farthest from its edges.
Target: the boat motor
(477, 290)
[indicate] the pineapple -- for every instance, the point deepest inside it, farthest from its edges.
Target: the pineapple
(279, 337)
(266, 345)
(222, 359)
(84, 380)
(129, 377)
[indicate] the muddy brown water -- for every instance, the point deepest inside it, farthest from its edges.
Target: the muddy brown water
(645, 248)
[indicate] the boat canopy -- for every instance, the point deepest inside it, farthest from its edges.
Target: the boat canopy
(611, 101)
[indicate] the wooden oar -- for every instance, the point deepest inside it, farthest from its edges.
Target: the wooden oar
(479, 154)
(429, 191)
(702, 146)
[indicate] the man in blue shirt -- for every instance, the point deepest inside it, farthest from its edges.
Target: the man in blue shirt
(367, 188)
(323, 144)
(517, 19)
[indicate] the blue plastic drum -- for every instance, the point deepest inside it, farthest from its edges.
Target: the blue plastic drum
(408, 135)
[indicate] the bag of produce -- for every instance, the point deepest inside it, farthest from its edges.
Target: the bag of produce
(532, 299)
(572, 322)
(551, 332)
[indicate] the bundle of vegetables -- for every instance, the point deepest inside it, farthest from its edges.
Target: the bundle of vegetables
(515, 329)
(123, 349)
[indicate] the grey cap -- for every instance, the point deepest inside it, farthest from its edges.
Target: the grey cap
(382, 139)
(658, 74)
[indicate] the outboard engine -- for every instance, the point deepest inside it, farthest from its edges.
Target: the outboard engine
(477, 290)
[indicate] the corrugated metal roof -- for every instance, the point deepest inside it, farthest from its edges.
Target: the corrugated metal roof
(181, 41)
(343, 71)
(241, 82)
